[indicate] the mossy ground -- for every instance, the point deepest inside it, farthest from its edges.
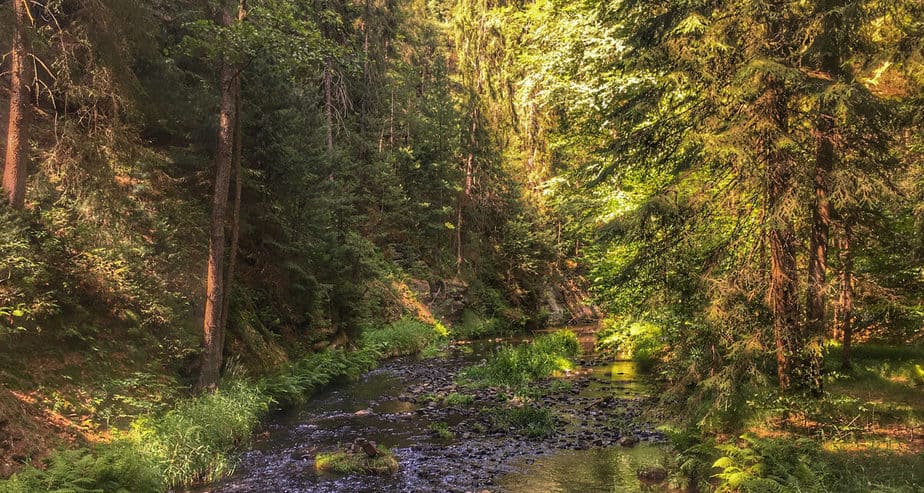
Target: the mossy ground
(342, 462)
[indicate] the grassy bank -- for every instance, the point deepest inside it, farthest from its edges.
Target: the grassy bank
(197, 439)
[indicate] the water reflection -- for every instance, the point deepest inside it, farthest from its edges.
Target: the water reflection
(585, 471)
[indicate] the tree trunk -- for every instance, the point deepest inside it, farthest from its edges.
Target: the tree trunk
(825, 129)
(465, 197)
(236, 208)
(17, 139)
(783, 300)
(818, 255)
(846, 297)
(215, 292)
(329, 104)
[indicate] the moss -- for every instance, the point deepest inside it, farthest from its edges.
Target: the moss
(357, 463)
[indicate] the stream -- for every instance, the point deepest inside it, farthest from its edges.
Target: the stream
(396, 404)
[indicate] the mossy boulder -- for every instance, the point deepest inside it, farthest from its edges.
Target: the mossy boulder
(357, 462)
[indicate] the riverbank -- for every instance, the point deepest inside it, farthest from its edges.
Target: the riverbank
(197, 439)
(451, 436)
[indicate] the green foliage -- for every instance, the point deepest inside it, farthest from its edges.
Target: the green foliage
(527, 420)
(475, 326)
(456, 399)
(403, 337)
(642, 341)
(197, 439)
(517, 366)
(357, 462)
(295, 383)
(767, 465)
(441, 430)
(118, 468)
(192, 442)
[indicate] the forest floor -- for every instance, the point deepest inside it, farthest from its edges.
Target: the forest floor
(73, 394)
(869, 426)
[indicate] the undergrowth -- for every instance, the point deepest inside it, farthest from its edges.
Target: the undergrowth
(516, 366)
(195, 441)
(637, 339)
(857, 437)
(406, 336)
(531, 421)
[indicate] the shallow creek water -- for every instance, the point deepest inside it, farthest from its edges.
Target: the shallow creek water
(392, 406)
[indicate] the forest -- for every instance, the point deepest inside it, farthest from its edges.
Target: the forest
(465, 245)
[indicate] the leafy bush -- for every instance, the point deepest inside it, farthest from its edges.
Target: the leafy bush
(517, 366)
(639, 340)
(767, 465)
(116, 468)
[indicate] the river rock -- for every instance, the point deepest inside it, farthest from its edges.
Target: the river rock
(369, 448)
(652, 474)
(628, 441)
(305, 454)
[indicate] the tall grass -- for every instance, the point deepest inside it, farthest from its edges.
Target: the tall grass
(192, 442)
(403, 337)
(517, 366)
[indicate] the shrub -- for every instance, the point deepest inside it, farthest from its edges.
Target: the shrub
(639, 340)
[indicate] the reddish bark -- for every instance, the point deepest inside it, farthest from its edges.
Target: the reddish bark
(215, 288)
(17, 139)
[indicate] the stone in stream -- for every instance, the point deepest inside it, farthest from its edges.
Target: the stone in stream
(305, 453)
(652, 475)
(363, 445)
(628, 441)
